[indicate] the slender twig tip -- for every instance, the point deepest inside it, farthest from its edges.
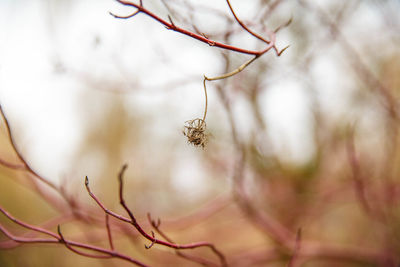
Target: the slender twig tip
(170, 20)
(86, 181)
(280, 53)
(59, 233)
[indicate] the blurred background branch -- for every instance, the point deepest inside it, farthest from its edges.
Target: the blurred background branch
(307, 140)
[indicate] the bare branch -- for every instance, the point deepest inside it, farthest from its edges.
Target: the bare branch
(170, 25)
(132, 220)
(110, 240)
(59, 239)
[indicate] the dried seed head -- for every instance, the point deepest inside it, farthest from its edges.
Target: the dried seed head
(195, 131)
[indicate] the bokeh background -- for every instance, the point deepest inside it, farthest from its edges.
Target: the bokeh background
(312, 135)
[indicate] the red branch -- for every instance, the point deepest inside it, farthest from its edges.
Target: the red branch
(59, 239)
(202, 38)
(244, 26)
(21, 158)
(132, 220)
(109, 232)
(202, 261)
(34, 176)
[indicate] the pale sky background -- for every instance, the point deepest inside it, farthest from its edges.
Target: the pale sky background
(41, 102)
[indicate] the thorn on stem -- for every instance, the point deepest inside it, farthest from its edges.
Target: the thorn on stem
(152, 242)
(172, 23)
(62, 240)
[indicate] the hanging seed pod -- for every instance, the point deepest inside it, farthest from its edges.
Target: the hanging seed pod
(195, 131)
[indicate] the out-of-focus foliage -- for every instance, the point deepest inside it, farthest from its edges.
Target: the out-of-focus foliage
(315, 131)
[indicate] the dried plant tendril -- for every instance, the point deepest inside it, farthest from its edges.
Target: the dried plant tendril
(195, 131)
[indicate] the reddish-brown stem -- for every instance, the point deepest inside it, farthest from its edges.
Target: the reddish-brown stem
(112, 254)
(93, 196)
(244, 26)
(171, 26)
(19, 155)
(62, 240)
(122, 200)
(152, 242)
(9, 244)
(202, 261)
(152, 238)
(57, 239)
(28, 226)
(108, 227)
(25, 239)
(132, 220)
(11, 165)
(26, 167)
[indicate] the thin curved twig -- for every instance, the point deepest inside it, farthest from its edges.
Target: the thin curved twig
(109, 235)
(202, 38)
(59, 239)
(244, 25)
(232, 73)
(132, 220)
(27, 167)
(202, 261)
